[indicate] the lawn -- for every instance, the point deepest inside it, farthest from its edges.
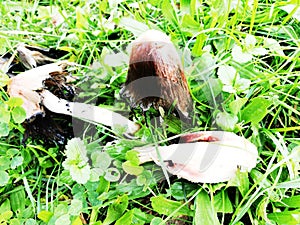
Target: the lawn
(241, 59)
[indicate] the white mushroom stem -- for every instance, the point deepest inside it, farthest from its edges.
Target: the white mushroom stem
(205, 162)
(89, 113)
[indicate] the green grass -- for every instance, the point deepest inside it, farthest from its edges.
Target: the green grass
(36, 189)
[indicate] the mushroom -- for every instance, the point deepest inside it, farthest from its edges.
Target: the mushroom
(29, 86)
(155, 75)
(216, 158)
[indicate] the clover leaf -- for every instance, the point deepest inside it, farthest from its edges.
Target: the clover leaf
(231, 80)
(77, 161)
(244, 55)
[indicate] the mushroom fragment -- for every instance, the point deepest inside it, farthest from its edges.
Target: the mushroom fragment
(32, 57)
(215, 159)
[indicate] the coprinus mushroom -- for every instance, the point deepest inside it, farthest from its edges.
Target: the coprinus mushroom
(155, 75)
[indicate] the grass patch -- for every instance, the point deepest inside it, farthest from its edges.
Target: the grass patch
(241, 61)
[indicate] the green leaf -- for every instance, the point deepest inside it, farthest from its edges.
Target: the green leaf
(112, 174)
(95, 174)
(126, 219)
(145, 179)
(61, 209)
(180, 190)
(28, 222)
(64, 219)
(222, 202)
(154, 2)
(241, 181)
(185, 6)
(200, 41)
(103, 186)
(131, 168)
(5, 206)
(16, 161)
(4, 129)
(4, 217)
(293, 202)
(190, 25)
(286, 217)
(101, 160)
(14, 101)
(81, 19)
(133, 157)
(16, 221)
(12, 152)
(17, 200)
(5, 114)
(167, 207)
(256, 110)
(289, 184)
(77, 221)
(116, 209)
(226, 121)
(169, 13)
(4, 163)
(156, 221)
(45, 216)
(4, 178)
(204, 210)
(75, 207)
(4, 79)
(237, 104)
(18, 114)
(134, 216)
(292, 9)
(77, 161)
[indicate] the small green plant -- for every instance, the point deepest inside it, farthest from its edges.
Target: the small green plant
(11, 110)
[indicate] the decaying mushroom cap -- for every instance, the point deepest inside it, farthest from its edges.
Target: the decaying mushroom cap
(216, 158)
(26, 84)
(155, 75)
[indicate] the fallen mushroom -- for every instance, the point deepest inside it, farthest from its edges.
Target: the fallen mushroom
(155, 75)
(25, 85)
(216, 158)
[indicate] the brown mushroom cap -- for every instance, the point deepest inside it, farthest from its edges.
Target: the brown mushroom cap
(155, 75)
